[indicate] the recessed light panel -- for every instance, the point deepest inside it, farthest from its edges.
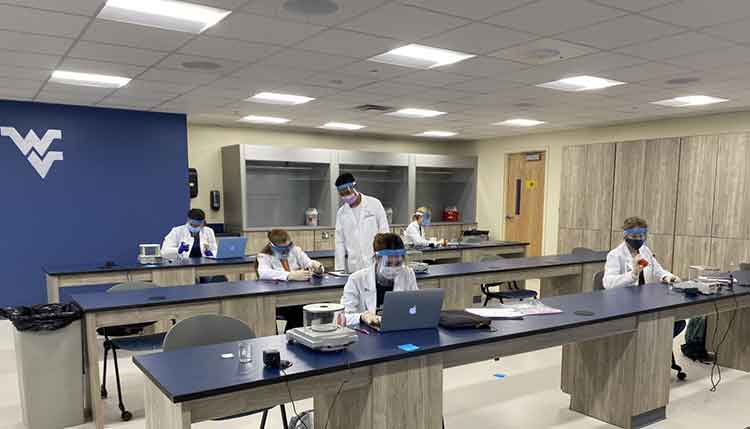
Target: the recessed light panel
(416, 113)
(255, 119)
(690, 101)
(341, 126)
(167, 14)
(89, 79)
(421, 57)
(280, 99)
(435, 133)
(580, 83)
(520, 122)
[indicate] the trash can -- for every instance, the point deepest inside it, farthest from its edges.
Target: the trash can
(50, 364)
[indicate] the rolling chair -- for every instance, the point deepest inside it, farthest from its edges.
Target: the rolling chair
(745, 266)
(126, 337)
(503, 290)
(582, 250)
(207, 329)
(679, 326)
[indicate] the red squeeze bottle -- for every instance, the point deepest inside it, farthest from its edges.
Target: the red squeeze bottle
(642, 263)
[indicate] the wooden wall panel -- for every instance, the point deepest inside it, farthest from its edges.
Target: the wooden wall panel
(569, 239)
(689, 250)
(732, 197)
(659, 191)
(628, 185)
(572, 186)
(696, 185)
(599, 183)
(727, 254)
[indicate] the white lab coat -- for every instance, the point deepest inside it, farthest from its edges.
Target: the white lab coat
(360, 293)
(414, 235)
(618, 271)
(270, 268)
(181, 234)
(354, 240)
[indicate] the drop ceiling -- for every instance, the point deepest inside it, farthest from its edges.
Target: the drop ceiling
(702, 46)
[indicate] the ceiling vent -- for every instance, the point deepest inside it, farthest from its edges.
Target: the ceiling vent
(373, 108)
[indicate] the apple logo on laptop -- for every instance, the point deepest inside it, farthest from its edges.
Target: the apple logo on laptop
(413, 310)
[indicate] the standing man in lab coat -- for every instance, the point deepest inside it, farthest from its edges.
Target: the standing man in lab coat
(358, 220)
(191, 240)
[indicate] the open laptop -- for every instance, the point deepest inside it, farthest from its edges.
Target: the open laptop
(414, 309)
(230, 247)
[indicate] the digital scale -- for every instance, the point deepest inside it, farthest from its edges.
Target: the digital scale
(149, 254)
(320, 331)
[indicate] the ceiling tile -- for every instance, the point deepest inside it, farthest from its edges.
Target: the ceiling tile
(67, 98)
(130, 102)
(221, 4)
(349, 43)
(478, 38)
(376, 71)
(431, 78)
(472, 9)
(178, 76)
(74, 90)
(145, 89)
(41, 22)
(17, 93)
(27, 59)
(336, 80)
(483, 85)
(291, 88)
(549, 17)
(543, 51)
(484, 67)
(175, 61)
(673, 46)
(307, 60)
(714, 59)
(260, 73)
(115, 54)
(736, 31)
(701, 13)
(16, 72)
(389, 88)
(633, 5)
(256, 28)
(80, 7)
(643, 72)
(137, 36)
(347, 9)
(620, 32)
(235, 50)
(402, 22)
(21, 83)
(34, 43)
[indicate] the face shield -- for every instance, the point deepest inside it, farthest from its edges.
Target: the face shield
(347, 192)
(390, 262)
(635, 237)
(281, 252)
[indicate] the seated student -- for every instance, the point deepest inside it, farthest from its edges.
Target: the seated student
(365, 290)
(414, 234)
(191, 240)
(282, 260)
(633, 264)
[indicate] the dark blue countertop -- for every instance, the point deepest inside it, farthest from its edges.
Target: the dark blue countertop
(134, 265)
(102, 301)
(200, 372)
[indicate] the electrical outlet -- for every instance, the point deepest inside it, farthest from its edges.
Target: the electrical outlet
(325, 235)
(476, 299)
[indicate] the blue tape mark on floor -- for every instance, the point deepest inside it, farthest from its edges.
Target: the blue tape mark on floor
(499, 375)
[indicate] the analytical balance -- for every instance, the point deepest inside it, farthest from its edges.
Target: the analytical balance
(321, 330)
(149, 253)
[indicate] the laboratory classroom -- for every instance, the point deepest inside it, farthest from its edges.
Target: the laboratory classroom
(375, 214)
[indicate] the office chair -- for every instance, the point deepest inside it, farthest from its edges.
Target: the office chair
(503, 290)
(210, 329)
(745, 266)
(582, 251)
(126, 337)
(599, 281)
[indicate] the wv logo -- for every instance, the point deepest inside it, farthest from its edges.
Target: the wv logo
(35, 149)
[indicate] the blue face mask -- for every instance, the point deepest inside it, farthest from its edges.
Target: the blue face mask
(635, 244)
(194, 229)
(281, 252)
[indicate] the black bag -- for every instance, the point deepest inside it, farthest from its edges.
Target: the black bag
(695, 340)
(42, 317)
(462, 319)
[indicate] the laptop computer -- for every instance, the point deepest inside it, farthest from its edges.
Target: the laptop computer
(414, 309)
(230, 247)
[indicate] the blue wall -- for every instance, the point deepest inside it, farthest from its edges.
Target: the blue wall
(122, 182)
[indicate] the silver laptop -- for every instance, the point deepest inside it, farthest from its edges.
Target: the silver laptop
(230, 247)
(414, 309)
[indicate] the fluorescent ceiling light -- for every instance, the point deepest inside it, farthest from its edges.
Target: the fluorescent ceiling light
(341, 126)
(421, 57)
(520, 122)
(416, 113)
(281, 99)
(254, 119)
(167, 14)
(436, 134)
(689, 101)
(89, 79)
(581, 83)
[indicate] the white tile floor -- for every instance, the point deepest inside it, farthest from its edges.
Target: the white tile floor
(527, 398)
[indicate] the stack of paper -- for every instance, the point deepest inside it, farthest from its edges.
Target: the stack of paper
(496, 312)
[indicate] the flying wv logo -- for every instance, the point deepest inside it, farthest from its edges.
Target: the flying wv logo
(35, 149)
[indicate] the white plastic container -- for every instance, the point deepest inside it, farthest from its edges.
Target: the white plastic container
(311, 217)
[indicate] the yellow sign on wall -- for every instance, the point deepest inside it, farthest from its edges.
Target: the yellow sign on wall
(531, 184)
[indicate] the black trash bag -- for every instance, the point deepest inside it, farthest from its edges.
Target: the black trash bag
(42, 317)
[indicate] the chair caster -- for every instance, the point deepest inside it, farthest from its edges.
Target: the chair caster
(681, 376)
(126, 416)
(104, 393)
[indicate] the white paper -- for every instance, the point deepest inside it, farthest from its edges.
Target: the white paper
(496, 313)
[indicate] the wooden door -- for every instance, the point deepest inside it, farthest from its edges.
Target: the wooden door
(524, 199)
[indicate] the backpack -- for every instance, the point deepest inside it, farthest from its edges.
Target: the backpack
(695, 340)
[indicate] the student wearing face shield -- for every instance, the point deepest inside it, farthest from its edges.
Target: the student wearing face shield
(357, 222)
(365, 290)
(282, 260)
(191, 240)
(632, 263)
(414, 233)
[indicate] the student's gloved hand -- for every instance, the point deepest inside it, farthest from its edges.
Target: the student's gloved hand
(183, 248)
(317, 267)
(299, 276)
(670, 279)
(636, 265)
(370, 318)
(208, 252)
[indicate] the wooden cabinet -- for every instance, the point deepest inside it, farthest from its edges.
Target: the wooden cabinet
(569, 239)
(587, 184)
(628, 185)
(325, 239)
(690, 251)
(696, 185)
(256, 240)
(727, 253)
(304, 239)
(732, 194)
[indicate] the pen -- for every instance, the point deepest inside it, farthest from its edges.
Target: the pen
(362, 331)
